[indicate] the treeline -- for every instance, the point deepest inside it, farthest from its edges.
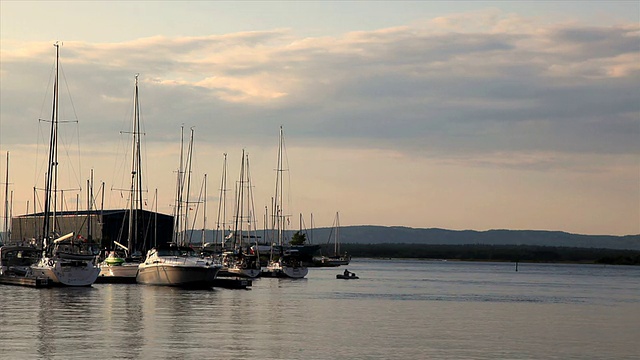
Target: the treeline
(524, 253)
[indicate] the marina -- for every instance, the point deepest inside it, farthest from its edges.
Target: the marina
(482, 156)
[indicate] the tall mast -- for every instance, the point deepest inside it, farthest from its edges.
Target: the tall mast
(279, 216)
(204, 222)
(90, 203)
(6, 204)
(188, 179)
(178, 206)
(237, 233)
(52, 171)
(135, 202)
(222, 204)
(337, 243)
(251, 217)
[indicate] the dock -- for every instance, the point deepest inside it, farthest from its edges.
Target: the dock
(36, 282)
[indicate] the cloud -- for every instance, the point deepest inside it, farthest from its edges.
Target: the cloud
(487, 90)
(472, 75)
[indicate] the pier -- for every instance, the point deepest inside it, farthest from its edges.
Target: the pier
(36, 282)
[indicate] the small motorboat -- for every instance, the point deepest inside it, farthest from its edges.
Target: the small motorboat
(347, 275)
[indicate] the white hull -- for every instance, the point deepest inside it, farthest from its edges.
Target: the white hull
(235, 271)
(278, 270)
(65, 272)
(126, 272)
(182, 275)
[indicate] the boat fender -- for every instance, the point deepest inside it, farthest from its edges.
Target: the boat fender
(50, 262)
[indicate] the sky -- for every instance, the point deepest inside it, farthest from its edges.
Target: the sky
(477, 115)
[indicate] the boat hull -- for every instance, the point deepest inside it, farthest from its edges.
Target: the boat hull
(125, 273)
(290, 272)
(177, 275)
(234, 271)
(61, 272)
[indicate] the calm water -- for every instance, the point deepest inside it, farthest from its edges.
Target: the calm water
(397, 309)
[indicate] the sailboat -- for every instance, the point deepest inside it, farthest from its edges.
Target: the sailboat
(240, 260)
(16, 259)
(284, 260)
(336, 259)
(66, 260)
(115, 268)
(177, 264)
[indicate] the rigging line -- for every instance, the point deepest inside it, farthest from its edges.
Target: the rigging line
(195, 215)
(75, 116)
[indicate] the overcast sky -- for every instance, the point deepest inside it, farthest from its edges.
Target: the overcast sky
(459, 115)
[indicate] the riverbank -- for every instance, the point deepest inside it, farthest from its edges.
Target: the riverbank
(500, 253)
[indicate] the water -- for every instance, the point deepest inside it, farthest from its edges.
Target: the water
(397, 309)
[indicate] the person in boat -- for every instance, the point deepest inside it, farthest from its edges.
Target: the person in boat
(346, 273)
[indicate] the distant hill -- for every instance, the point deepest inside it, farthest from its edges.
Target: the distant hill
(371, 234)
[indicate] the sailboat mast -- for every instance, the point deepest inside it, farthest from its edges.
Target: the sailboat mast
(89, 205)
(6, 204)
(52, 172)
(337, 243)
(138, 169)
(252, 219)
(178, 205)
(278, 198)
(188, 179)
(222, 204)
(204, 221)
(135, 202)
(237, 233)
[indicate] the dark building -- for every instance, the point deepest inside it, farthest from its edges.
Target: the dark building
(103, 227)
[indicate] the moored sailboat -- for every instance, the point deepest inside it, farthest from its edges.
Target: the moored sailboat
(67, 260)
(284, 262)
(177, 264)
(337, 258)
(115, 268)
(242, 260)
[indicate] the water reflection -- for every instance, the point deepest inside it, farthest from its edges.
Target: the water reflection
(67, 317)
(410, 310)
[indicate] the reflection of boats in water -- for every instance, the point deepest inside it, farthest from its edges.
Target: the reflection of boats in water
(179, 266)
(15, 266)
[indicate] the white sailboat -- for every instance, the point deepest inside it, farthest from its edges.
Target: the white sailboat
(115, 268)
(177, 264)
(285, 261)
(67, 260)
(243, 260)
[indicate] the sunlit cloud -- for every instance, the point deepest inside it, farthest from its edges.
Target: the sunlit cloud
(487, 90)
